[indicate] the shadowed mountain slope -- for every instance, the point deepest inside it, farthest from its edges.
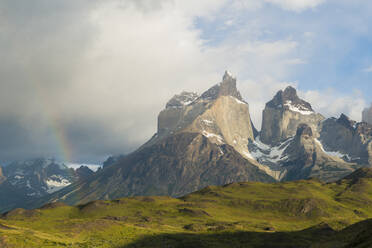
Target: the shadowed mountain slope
(306, 213)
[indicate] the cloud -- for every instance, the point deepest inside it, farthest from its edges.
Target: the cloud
(296, 5)
(331, 103)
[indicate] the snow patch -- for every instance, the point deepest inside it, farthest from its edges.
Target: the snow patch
(238, 101)
(332, 153)
(299, 109)
(56, 183)
(213, 135)
(272, 154)
(208, 122)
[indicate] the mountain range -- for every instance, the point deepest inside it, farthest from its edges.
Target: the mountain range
(210, 139)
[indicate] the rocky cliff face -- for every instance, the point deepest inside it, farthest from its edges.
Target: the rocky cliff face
(283, 114)
(347, 139)
(367, 115)
(306, 157)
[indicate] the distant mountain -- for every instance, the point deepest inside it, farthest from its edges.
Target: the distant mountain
(367, 115)
(24, 181)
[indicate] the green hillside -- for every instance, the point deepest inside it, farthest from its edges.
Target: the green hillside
(304, 213)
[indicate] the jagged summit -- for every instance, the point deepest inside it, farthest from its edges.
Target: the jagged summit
(289, 99)
(346, 121)
(226, 88)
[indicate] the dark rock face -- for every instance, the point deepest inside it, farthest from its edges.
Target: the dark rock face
(283, 114)
(306, 159)
(177, 165)
(367, 115)
(348, 137)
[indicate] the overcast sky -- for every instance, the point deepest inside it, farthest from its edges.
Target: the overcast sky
(83, 79)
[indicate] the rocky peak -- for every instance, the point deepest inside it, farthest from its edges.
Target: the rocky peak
(284, 113)
(181, 100)
(367, 115)
(226, 88)
(289, 99)
(346, 121)
(84, 172)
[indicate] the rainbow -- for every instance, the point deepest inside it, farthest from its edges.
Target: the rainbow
(58, 131)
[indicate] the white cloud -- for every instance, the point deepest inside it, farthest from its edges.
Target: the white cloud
(296, 5)
(331, 103)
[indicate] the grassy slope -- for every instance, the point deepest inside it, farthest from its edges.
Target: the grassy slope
(229, 216)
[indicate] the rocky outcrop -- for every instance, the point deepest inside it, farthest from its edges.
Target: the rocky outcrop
(283, 114)
(306, 158)
(367, 115)
(348, 138)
